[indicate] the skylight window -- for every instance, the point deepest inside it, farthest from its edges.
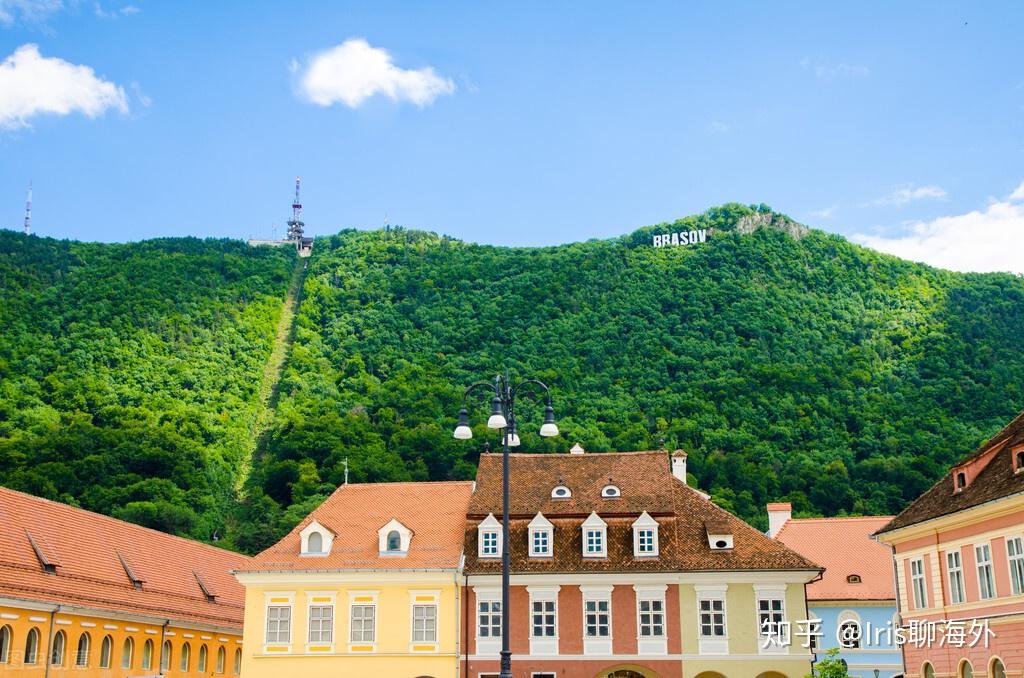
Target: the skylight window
(611, 492)
(561, 492)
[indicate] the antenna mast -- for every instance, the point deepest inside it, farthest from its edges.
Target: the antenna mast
(28, 210)
(295, 225)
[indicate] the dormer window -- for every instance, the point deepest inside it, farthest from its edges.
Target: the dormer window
(719, 534)
(541, 537)
(853, 579)
(315, 540)
(1018, 459)
(645, 536)
(393, 539)
(489, 537)
(595, 537)
(561, 492)
(961, 481)
(611, 492)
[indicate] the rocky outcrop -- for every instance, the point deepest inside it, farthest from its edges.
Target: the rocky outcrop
(753, 222)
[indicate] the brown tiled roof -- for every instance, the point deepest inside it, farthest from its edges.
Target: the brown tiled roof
(995, 481)
(84, 547)
(829, 542)
(435, 512)
(646, 484)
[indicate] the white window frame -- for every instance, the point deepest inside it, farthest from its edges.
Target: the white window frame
(489, 527)
(541, 526)
(955, 574)
(597, 645)
(543, 645)
(712, 645)
(362, 599)
(771, 595)
(424, 599)
(651, 594)
(643, 524)
(987, 568)
(278, 599)
(404, 538)
(918, 584)
(491, 644)
(327, 540)
(1015, 560)
(594, 524)
(850, 617)
(321, 599)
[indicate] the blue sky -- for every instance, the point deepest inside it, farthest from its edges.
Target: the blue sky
(899, 125)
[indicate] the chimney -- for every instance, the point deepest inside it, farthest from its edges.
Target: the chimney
(679, 465)
(778, 514)
(577, 449)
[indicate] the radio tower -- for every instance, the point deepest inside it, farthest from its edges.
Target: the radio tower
(28, 210)
(295, 225)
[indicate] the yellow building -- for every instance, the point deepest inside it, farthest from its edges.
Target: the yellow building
(89, 596)
(368, 584)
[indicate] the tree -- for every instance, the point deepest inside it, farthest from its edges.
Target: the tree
(829, 667)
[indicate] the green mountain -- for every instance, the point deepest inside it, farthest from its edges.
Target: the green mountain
(789, 363)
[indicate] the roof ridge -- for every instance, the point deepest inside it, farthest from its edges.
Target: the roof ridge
(105, 517)
(568, 455)
(826, 518)
(410, 482)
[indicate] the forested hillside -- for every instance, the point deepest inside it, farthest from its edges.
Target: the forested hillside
(791, 365)
(129, 374)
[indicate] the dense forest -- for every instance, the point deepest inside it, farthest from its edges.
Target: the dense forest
(789, 363)
(129, 374)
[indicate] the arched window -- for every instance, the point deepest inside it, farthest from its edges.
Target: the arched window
(928, 671)
(220, 659)
(853, 579)
(961, 483)
(32, 647)
(610, 491)
(126, 653)
(238, 661)
(996, 668)
(965, 670)
(394, 541)
(849, 630)
(561, 492)
(1020, 459)
(186, 657)
(82, 654)
(5, 644)
(165, 657)
(147, 654)
(106, 650)
(315, 543)
(59, 643)
(202, 659)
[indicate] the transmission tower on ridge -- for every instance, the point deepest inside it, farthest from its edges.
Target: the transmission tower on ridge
(295, 225)
(28, 210)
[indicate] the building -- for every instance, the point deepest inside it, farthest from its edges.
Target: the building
(620, 569)
(855, 598)
(958, 552)
(86, 595)
(366, 585)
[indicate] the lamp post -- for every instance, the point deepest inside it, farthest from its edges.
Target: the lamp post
(503, 417)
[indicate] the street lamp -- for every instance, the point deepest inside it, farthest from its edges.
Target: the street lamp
(503, 416)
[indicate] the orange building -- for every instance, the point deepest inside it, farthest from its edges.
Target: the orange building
(89, 596)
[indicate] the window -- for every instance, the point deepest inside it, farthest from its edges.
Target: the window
(315, 543)
(595, 532)
(106, 650)
(363, 623)
(201, 667)
(961, 481)
(489, 619)
(955, 570)
(928, 671)
(424, 623)
(186, 657)
(1020, 460)
(770, 617)
(997, 669)
(127, 650)
(5, 644)
(597, 619)
(489, 535)
(82, 653)
(853, 579)
(543, 618)
(279, 624)
(595, 542)
(57, 653)
(561, 492)
(986, 582)
(147, 654)
(652, 618)
(712, 617)
(965, 670)
(238, 661)
(394, 541)
(321, 623)
(221, 659)
(610, 492)
(917, 580)
(165, 657)
(315, 540)
(32, 647)
(1015, 552)
(645, 542)
(849, 634)
(490, 543)
(645, 536)
(540, 543)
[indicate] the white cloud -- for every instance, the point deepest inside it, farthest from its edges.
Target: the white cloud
(354, 71)
(983, 241)
(824, 213)
(27, 10)
(901, 195)
(828, 72)
(127, 10)
(31, 84)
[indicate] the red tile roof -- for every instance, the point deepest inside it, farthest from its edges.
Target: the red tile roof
(87, 549)
(435, 512)
(830, 543)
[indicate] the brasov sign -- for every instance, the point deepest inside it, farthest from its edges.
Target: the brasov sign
(681, 238)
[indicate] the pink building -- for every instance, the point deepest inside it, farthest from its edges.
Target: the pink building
(959, 563)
